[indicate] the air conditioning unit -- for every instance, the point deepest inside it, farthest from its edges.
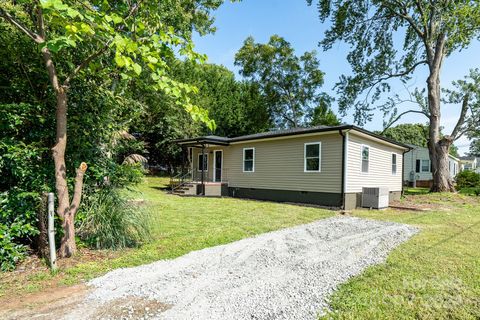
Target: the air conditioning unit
(376, 198)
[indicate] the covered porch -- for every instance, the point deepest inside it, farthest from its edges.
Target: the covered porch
(204, 174)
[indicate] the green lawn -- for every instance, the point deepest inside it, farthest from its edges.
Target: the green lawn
(435, 275)
(179, 225)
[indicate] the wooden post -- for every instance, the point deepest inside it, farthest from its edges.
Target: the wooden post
(51, 231)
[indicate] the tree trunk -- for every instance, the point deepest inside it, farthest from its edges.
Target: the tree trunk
(438, 147)
(67, 246)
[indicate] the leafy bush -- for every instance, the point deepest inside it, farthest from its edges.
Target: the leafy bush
(471, 191)
(17, 226)
(10, 252)
(468, 179)
(107, 220)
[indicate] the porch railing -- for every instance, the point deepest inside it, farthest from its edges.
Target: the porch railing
(180, 179)
(221, 175)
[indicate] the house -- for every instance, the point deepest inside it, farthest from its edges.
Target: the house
(418, 167)
(470, 163)
(319, 165)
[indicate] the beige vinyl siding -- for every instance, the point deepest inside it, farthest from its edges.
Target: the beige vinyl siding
(279, 164)
(210, 152)
(380, 165)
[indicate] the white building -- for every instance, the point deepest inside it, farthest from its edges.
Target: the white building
(470, 163)
(418, 167)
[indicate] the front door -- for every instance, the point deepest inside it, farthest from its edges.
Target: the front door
(217, 172)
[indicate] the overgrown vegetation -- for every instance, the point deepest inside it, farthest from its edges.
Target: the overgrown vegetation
(107, 220)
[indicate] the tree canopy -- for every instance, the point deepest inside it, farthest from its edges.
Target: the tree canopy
(392, 40)
(91, 51)
(290, 83)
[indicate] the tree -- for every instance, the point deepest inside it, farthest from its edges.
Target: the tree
(413, 133)
(323, 114)
(431, 31)
(475, 148)
(290, 83)
(76, 37)
(237, 107)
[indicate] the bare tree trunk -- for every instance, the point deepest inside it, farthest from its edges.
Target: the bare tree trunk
(65, 210)
(438, 147)
(67, 246)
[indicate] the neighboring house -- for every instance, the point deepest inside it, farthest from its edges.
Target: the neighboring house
(418, 167)
(470, 163)
(320, 165)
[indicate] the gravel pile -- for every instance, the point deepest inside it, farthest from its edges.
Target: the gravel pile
(286, 274)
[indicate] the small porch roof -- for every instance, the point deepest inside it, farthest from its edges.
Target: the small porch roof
(199, 142)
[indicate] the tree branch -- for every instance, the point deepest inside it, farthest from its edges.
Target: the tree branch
(461, 119)
(20, 26)
(401, 115)
(77, 193)
(86, 62)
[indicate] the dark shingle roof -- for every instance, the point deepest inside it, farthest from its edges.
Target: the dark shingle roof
(211, 139)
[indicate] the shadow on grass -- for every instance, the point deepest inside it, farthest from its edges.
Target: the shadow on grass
(416, 191)
(163, 188)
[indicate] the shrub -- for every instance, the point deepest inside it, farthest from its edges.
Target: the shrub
(107, 220)
(17, 225)
(468, 179)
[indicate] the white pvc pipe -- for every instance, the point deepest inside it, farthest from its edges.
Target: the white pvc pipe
(51, 231)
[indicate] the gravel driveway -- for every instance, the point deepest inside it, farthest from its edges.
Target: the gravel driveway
(285, 274)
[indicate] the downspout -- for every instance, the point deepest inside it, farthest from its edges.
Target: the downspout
(403, 170)
(344, 153)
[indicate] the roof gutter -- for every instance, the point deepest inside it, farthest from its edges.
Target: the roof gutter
(344, 163)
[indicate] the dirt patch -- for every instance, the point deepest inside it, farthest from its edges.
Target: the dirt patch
(48, 304)
(33, 274)
(434, 201)
(130, 308)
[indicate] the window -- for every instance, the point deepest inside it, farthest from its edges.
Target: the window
(425, 166)
(203, 162)
(394, 163)
(249, 160)
(312, 162)
(365, 158)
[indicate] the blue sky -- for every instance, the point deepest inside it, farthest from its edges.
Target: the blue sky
(299, 24)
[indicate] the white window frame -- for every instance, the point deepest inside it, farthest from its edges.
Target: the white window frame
(198, 162)
(421, 166)
(391, 163)
(361, 158)
(319, 156)
(253, 160)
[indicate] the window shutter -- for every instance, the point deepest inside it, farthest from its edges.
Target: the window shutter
(431, 166)
(417, 169)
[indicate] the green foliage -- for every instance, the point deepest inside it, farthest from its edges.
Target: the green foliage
(18, 219)
(413, 133)
(323, 115)
(475, 148)
(468, 179)
(107, 220)
(290, 83)
(10, 252)
(372, 29)
(237, 108)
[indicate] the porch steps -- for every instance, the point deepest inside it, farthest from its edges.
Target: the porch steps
(188, 189)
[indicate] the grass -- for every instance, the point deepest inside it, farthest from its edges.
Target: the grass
(435, 275)
(180, 225)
